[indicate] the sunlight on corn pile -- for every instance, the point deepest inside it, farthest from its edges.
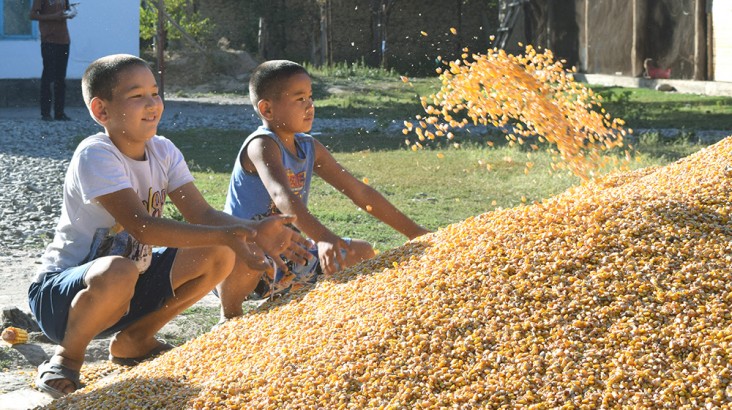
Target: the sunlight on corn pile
(615, 293)
(94, 372)
(533, 96)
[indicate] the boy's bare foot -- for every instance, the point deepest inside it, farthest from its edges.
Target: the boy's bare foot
(124, 346)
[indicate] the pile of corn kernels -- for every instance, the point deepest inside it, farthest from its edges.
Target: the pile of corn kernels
(530, 96)
(616, 293)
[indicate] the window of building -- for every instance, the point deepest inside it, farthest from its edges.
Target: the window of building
(14, 21)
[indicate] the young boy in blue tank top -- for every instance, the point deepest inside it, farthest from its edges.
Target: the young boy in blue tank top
(272, 174)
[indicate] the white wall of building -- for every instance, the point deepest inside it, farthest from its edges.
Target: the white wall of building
(102, 27)
(721, 14)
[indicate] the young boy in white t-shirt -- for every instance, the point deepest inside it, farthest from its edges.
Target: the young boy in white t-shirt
(100, 274)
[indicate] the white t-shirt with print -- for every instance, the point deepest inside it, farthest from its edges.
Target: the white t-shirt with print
(86, 230)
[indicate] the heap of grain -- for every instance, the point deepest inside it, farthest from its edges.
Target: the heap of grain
(614, 293)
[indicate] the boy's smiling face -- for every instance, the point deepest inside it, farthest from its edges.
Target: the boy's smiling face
(292, 111)
(132, 115)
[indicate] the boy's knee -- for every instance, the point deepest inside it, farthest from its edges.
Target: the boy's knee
(222, 261)
(362, 251)
(243, 275)
(113, 275)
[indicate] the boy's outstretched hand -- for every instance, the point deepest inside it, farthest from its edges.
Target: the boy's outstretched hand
(332, 255)
(276, 239)
(246, 248)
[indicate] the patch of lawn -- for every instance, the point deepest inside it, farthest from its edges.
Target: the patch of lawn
(435, 187)
(644, 108)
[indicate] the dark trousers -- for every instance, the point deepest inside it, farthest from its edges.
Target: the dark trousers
(55, 59)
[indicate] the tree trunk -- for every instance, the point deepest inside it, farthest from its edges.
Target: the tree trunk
(380, 11)
(160, 48)
(326, 57)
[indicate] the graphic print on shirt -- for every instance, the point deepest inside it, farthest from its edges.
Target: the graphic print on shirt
(115, 241)
(297, 183)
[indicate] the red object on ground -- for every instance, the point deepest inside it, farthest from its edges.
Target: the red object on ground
(654, 72)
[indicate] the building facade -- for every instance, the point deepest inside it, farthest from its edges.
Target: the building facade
(101, 27)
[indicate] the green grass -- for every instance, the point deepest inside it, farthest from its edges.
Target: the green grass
(354, 90)
(644, 108)
(433, 190)
(391, 99)
(357, 91)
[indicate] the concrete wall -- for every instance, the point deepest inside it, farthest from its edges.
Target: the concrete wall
(722, 15)
(102, 27)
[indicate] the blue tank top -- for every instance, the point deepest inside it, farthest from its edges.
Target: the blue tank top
(247, 197)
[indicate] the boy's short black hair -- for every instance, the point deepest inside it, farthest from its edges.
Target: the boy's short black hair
(266, 80)
(100, 77)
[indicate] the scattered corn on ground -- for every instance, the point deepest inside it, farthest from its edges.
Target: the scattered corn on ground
(616, 293)
(14, 335)
(530, 96)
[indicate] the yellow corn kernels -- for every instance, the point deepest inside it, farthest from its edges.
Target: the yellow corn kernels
(14, 335)
(530, 97)
(614, 294)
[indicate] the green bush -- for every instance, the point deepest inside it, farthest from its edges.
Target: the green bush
(191, 21)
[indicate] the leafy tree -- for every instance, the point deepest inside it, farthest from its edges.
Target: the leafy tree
(183, 12)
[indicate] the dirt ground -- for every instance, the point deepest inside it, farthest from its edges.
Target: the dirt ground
(18, 363)
(223, 70)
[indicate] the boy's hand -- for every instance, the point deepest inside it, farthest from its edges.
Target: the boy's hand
(247, 250)
(331, 255)
(277, 240)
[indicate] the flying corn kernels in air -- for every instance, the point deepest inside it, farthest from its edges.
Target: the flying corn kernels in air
(530, 96)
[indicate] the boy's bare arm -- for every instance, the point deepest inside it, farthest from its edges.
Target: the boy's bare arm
(363, 195)
(272, 234)
(127, 209)
(266, 157)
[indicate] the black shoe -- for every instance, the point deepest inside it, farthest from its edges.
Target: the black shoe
(63, 117)
(46, 117)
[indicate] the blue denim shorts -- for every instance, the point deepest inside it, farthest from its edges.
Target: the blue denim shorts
(50, 300)
(299, 275)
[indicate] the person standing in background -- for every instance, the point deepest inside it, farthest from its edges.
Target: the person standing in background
(55, 41)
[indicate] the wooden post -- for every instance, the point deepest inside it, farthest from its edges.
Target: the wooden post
(326, 57)
(262, 38)
(160, 49)
(634, 41)
(637, 48)
(329, 34)
(586, 46)
(710, 41)
(700, 40)
(549, 22)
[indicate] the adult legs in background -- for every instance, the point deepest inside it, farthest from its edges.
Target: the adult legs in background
(55, 60)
